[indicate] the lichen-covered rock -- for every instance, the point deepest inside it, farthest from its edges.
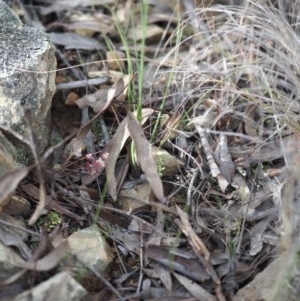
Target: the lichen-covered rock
(26, 56)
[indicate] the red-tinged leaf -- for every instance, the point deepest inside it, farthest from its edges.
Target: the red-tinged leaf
(144, 154)
(10, 181)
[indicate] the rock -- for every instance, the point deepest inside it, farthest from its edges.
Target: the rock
(60, 287)
(273, 283)
(90, 249)
(167, 164)
(26, 54)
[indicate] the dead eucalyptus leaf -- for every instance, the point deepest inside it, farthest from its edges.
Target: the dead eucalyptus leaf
(157, 235)
(194, 239)
(95, 100)
(118, 90)
(12, 235)
(33, 191)
(116, 144)
(102, 98)
(196, 290)
(48, 262)
(256, 234)
(164, 275)
(9, 182)
(188, 267)
(77, 144)
(145, 158)
(84, 24)
(223, 183)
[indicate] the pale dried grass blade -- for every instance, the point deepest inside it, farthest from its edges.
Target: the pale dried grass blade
(215, 171)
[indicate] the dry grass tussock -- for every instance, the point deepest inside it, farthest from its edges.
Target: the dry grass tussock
(238, 74)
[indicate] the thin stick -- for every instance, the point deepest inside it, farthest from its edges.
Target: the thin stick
(83, 83)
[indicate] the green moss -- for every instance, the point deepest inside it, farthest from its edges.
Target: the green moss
(51, 221)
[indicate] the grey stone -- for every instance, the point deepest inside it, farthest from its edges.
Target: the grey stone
(60, 287)
(26, 56)
(90, 251)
